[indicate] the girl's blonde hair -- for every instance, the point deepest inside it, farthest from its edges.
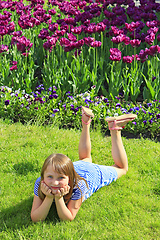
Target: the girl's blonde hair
(63, 165)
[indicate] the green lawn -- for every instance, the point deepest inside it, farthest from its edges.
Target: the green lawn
(127, 209)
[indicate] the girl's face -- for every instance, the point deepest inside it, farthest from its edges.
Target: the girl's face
(55, 180)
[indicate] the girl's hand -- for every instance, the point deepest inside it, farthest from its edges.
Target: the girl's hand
(62, 192)
(46, 190)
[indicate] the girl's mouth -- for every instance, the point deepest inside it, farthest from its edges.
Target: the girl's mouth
(55, 188)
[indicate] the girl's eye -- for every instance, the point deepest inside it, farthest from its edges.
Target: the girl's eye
(49, 176)
(61, 177)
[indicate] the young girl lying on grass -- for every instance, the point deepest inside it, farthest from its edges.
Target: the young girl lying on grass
(69, 183)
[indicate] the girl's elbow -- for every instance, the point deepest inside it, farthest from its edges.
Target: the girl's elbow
(70, 218)
(35, 219)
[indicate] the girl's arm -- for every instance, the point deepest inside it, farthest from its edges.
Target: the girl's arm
(40, 208)
(66, 212)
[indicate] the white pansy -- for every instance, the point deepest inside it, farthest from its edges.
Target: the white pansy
(17, 91)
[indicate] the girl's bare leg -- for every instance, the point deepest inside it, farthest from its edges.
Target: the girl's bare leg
(85, 142)
(119, 153)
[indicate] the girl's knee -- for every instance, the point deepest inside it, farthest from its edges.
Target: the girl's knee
(121, 171)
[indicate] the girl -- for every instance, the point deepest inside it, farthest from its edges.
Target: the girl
(69, 184)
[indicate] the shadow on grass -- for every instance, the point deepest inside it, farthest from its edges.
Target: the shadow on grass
(18, 215)
(25, 168)
(129, 135)
(146, 135)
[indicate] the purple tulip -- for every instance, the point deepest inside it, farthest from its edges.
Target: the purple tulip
(25, 54)
(116, 31)
(14, 67)
(118, 39)
(70, 21)
(23, 44)
(118, 10)
(127, 59)
(60, 32)
(115, 54)
(3, 30)
(106, 23)
(71, 37)
(26, 21)
(53, 27)
(153, 30)
(64, 42)
(101, 27)
(47, 18)
(132, 26)
(17, 34)
(43, 33)
(142, 58)
(14, 62)
(79, 43)
(92, 28)
(96, 44)
(119, 21)
(11, 27)
(64, 27)
(4, 48)
(109, 15)
(88, 40)
(70, 47)
(150, 38)
(52, 11)
(151, 24)
(51, 42)
(135, 42)
(153, 50)
(76, 30)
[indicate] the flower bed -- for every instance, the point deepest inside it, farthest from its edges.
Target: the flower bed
(50, 107)
(77, 44)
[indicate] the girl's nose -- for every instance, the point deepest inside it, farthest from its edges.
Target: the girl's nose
(55, 182)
